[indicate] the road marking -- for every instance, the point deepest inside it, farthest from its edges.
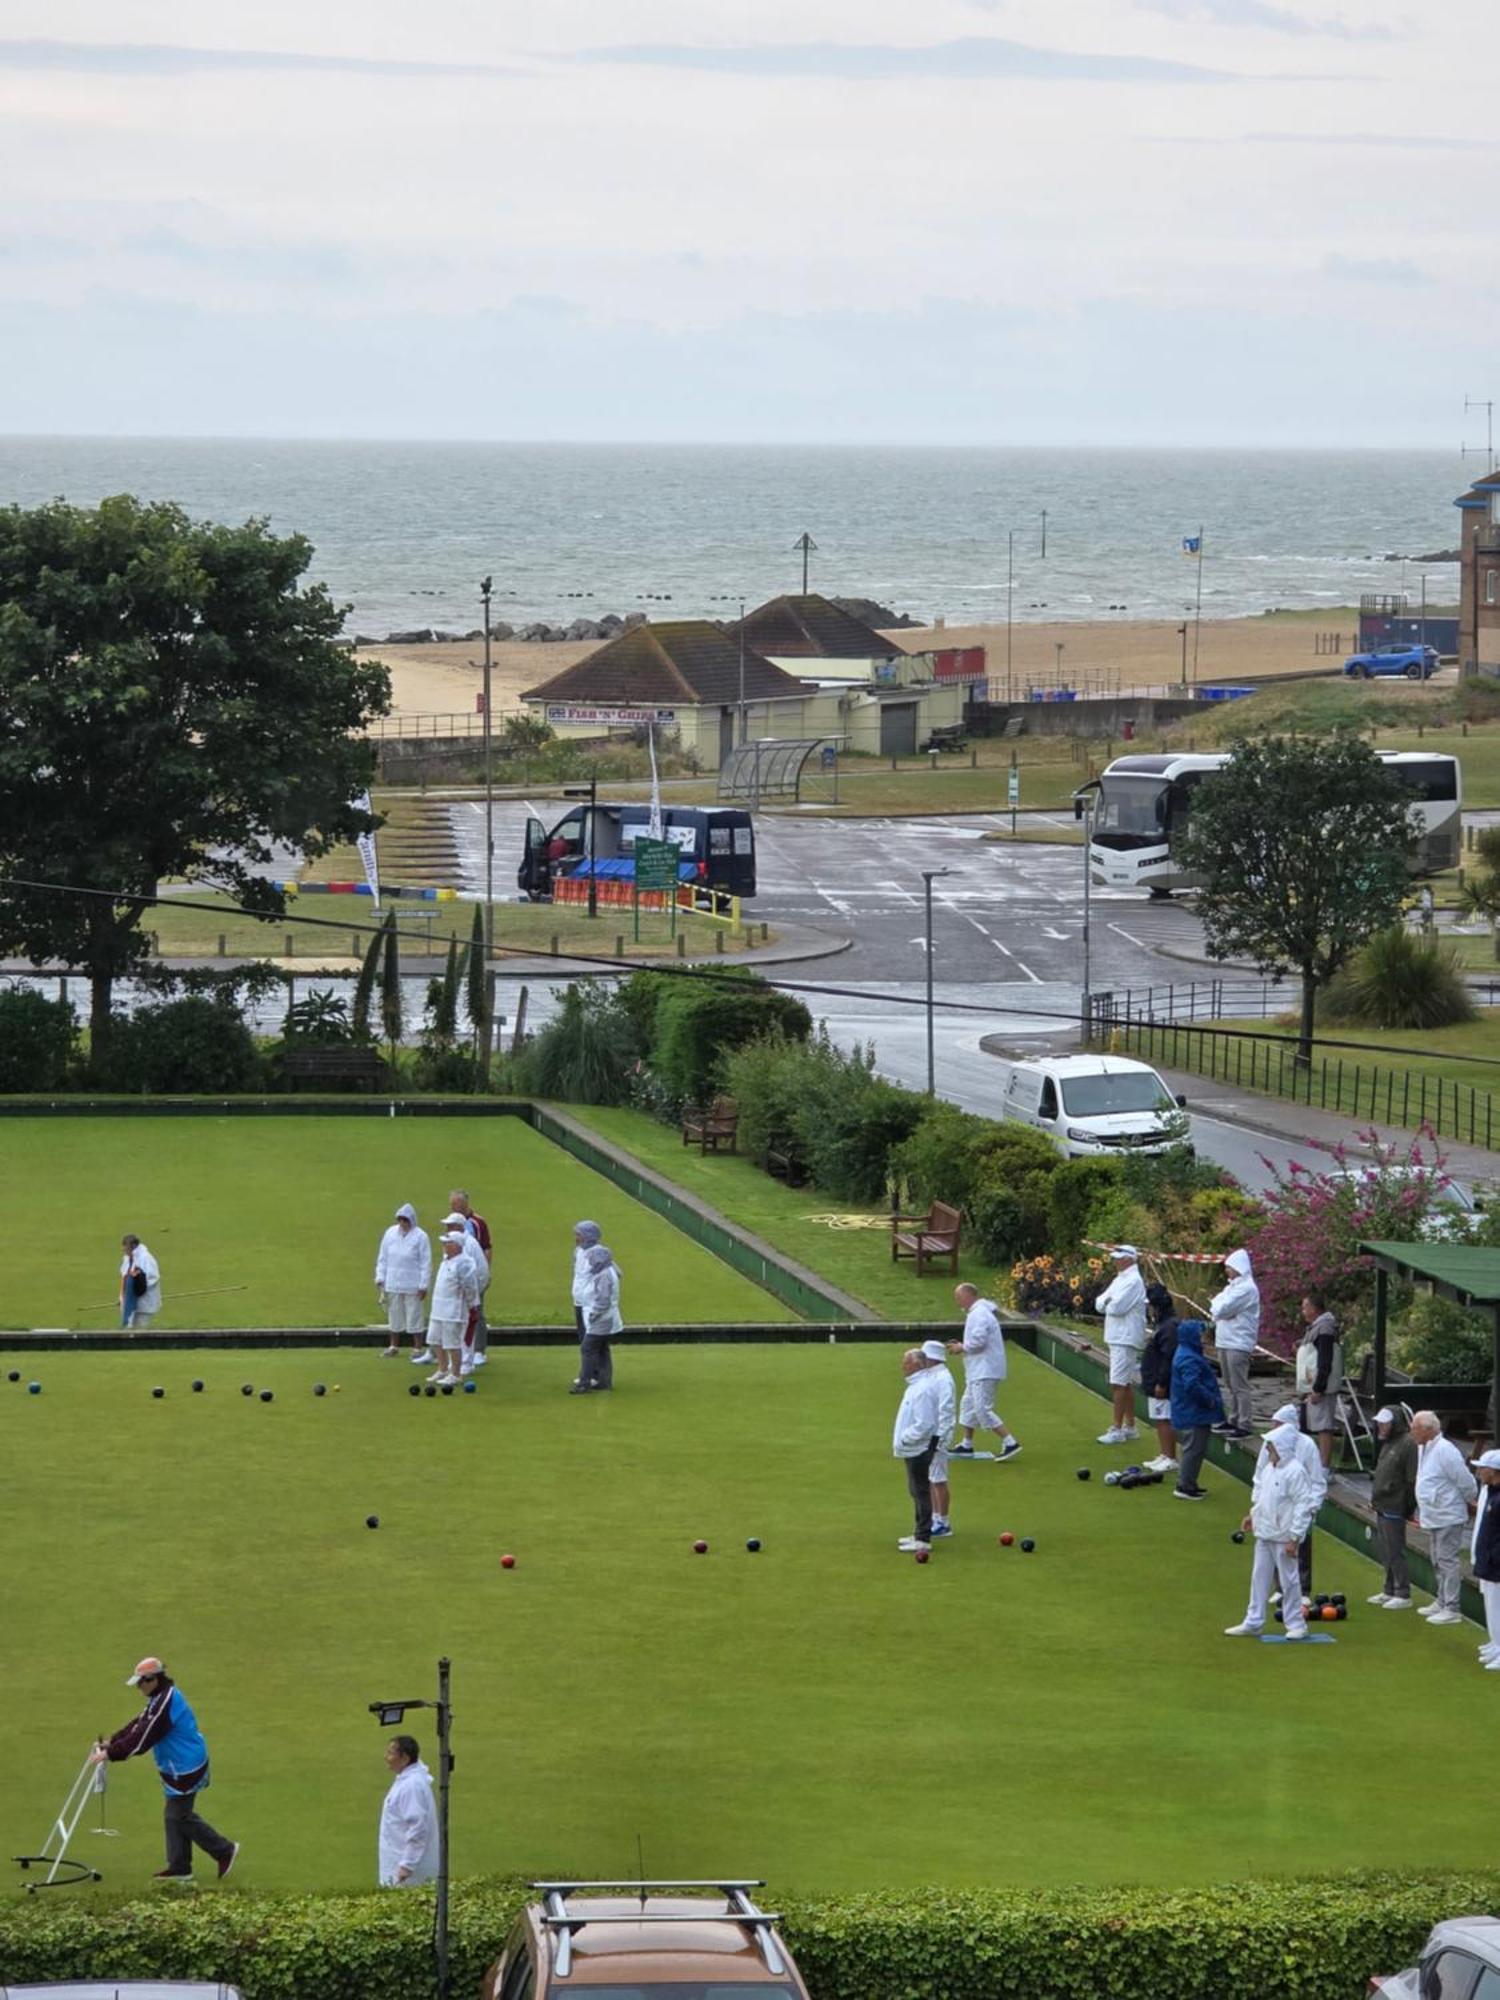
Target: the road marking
(1028, 971)
(1047, 931)
(1139, 943)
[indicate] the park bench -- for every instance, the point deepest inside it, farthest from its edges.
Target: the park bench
(928, 1239)
(786, 1164)
(712, 1128)
(949, 736)
(365, 1067)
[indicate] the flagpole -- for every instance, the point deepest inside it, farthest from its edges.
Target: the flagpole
(1198, 608)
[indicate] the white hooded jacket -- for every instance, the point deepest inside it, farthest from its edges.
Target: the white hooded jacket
(1123, 1304)
(1445, 1485)
(1236, 1310)
(404, 1262)
(454, 1291)
(150, 1299)
(409, 1829)
(1281, 1496)
(984, 1343)
(920, 1417)
(1308, 1455)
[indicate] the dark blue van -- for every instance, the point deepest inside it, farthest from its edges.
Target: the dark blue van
(716, 845)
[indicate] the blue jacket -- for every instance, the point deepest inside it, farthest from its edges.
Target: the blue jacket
(1195, 1390)
(167, 1728)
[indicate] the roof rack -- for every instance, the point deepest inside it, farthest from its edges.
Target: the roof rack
(741, 1910)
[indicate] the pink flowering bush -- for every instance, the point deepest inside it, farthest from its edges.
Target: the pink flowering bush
(1314, 1222)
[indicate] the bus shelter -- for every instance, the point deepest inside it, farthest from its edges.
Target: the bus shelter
(770, 768)
(1468, 1275)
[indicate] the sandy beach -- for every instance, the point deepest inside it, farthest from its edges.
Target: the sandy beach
(1094, 657)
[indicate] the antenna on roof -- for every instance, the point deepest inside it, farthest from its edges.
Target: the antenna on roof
(1486, 404)
(805, 546)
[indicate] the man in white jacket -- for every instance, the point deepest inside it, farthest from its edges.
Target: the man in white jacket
(935, 1354)
(403, 1273)
(1281, 1509)
(1310, 1458)
(139, 1302)
(983, 1350)
(1446, 1492)
(454, 1291)
(408, 1819)
(915, 1442)
(1236, 1317)
(1123, 1304)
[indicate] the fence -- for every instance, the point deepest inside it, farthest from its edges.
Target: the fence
(1331, 1082)
(1192, 1000)
(461, 722)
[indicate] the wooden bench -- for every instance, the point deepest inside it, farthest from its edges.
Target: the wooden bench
(712, 1127)
(928, 1239)
(948, 736)
(363, 1066)
(787, 1165)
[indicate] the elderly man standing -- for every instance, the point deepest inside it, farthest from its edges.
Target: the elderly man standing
(1446, 1490)
(935, 1354)
(454, 1291)
(408, 1819)
(1311, 1459)
(1484, 1555)
(477, 1337)
(983, 1350)
(1281, 1510)
(1123, 1304)
(403, 1272)
(916, 1439)
(1393, 1495)
(1236, 1317)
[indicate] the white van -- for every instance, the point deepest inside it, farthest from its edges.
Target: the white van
(1094, 1106)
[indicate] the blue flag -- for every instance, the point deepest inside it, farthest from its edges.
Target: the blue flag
(1192, 545)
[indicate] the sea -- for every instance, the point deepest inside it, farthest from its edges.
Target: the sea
(402, 534)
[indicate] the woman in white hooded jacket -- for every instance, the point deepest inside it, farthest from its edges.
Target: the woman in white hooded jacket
(1282, 1504)
(1236, 1317)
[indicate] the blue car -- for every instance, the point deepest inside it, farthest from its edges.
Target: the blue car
(1413, 663)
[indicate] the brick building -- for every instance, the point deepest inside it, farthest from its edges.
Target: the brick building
(1479, 577)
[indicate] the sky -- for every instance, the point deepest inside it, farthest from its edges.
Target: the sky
(1119, 222)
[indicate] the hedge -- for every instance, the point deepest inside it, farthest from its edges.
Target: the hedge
(1311, 1939)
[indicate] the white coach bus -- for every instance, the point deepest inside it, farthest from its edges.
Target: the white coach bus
(1142, 806)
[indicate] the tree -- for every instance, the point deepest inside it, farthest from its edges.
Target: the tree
(173, 702)
(1301, 846)
(390, 987)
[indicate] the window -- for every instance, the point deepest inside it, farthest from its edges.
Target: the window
(1047, 1108)
(1449, 1976)
(520, 1981)
(1115, 1090)
(1489, 586)
(1489, 1985)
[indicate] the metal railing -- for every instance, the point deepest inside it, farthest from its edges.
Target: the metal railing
(1194, 1000)
(1378, 1092)
(459, 722)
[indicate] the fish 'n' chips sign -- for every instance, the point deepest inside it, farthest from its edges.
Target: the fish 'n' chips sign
(611, 718)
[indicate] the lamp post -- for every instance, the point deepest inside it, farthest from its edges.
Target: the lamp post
(1085, 804)
(743, 731)
(489, 838)
(390, 1714)
(1182, 635)
(1010, 608)
(929, 876)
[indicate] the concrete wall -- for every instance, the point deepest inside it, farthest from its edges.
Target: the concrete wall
(1095, 718)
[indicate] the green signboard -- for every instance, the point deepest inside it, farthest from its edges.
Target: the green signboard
(656, 864)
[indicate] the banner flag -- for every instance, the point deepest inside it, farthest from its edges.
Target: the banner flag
(654, 827)
(366, 846)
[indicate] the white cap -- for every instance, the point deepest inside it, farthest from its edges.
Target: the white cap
(1124, 1250)
(934, 1350)
(454, 1236)
(145, 1670)
(1490, 1460)
(1385, 1416)
(455, 1222)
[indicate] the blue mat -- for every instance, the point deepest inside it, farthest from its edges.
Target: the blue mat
(1312, 1639)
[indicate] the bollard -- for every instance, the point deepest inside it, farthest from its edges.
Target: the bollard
(749, 937)
(619, 944)
(291, 945)
(554, 944)
(354, 951)
(682, 944)
(718, 940)
(222, 952)
(973, 760)
(765, 933)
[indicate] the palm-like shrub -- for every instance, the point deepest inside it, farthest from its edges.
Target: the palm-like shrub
(1400, 979)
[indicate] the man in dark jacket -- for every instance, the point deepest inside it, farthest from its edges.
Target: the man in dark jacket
(1394, 1498)
(1156, 1375)
(1196, 1406)
(1485, 1553)
(168, 1728)
(1320, 1369)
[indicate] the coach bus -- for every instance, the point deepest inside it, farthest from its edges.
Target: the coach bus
(1142, 805)
(716, 846)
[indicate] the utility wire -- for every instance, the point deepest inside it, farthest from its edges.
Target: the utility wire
(726, 976)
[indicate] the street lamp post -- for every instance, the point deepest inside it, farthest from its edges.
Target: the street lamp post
(1086, 806)
(1182, 635)
(1010, 609)
(489, 837)
(390, 1714)
(929, 875)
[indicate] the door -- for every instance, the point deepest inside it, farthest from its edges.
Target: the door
(531, 879)
(726, 735)
(898, 729)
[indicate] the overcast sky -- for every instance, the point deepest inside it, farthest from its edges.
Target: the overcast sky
(969, 221)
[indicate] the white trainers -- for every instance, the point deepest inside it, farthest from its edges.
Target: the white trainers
(1129, 1434)
(1244, 1630)
(1395, 1604)
(1379, 1598)
(422, 1357)
(1492, 1666)
(480, 1360)
(909, 1545)
(1487, 1651)
(1445, 1618)
(1299, 1632)
(389, 1353)
(1161, 1463)
(1111, 1436)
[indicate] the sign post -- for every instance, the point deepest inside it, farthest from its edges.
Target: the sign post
(656, 868)
(1013, 790)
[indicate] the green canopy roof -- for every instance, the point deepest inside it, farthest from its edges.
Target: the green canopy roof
(1459, 1271)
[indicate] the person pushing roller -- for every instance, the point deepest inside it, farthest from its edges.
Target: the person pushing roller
(168, 1728)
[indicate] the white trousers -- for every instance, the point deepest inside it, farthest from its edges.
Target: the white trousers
(1272, 1560)
(1491, 1595)
(403, 1311)
(977, 1411)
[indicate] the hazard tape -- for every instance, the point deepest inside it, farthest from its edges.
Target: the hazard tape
(1170, 1256)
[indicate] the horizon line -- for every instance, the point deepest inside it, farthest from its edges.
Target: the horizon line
(692, 444)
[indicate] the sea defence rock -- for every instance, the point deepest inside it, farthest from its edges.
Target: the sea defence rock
(584, 628)
(879, 616)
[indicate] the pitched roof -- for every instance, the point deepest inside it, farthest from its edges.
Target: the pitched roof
(686, 660)
(812, 628)
(1481, 491)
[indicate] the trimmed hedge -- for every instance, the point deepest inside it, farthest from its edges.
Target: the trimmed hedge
(1314, 1939)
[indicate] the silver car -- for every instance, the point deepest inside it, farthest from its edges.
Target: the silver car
(1460, 1961)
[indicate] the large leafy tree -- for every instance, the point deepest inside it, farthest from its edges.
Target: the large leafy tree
(173, 702)
(1301, 845)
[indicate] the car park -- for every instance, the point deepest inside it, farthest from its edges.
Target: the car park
(647, 1941)
(1460, 1961)
(1095, 1106)
(1413, 663)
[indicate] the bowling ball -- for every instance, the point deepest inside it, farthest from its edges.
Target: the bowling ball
(1027, 1545)
(158, 1394)
(700, 1548)
(1084, 1472)
(753, 1545)
(921, 1554)
(414, 1389)
(1328, 1613)
(507, 1562)
(1007, 1539)
(197, 1388)
(1238, 1535)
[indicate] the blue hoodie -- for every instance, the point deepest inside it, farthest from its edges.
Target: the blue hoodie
(1196, 1401)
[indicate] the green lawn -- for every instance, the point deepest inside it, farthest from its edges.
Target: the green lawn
(825, 1710)
(292, 1209)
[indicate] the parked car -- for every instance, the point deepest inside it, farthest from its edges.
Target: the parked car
(1416, 663)
(1454, 1206)
(598, 1938)
(1460, 1961)
(1094, 1107)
